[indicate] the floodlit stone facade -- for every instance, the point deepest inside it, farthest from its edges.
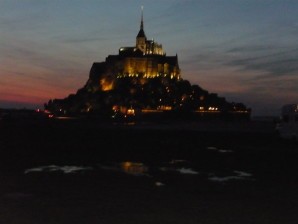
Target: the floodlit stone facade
(144, 60)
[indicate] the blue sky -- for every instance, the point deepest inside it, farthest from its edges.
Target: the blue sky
(244, 50)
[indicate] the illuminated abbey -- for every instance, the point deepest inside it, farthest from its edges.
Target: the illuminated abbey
(144, 60)
(142, 80)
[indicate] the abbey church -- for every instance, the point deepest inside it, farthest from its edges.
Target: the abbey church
(144, 60)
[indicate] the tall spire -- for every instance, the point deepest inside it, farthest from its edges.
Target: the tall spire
(142, 22)
(141, 32)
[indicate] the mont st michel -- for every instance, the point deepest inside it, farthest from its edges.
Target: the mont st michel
(149, 136)
(142, 80)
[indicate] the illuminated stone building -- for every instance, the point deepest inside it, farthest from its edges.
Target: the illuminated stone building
(144, 60)
(143, 80)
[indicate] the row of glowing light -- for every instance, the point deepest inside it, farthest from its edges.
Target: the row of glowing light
(209, 108)
(146, 76)
(131, 111)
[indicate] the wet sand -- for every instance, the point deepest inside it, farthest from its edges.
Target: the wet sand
(209, 172)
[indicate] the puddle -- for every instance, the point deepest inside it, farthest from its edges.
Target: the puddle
(182, 170)
(242, 174)
(239, 175)
(178, 161)
(223, 179)
(54, 168)
(179, 165)
(159, 184)
(187, 171)
(224, 151)
(213, 148)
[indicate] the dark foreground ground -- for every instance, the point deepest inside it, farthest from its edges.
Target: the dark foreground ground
(62, 172)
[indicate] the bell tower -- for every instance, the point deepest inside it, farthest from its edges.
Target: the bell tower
(141, 37)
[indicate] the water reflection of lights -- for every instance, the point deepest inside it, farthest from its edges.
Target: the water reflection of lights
(134, 168)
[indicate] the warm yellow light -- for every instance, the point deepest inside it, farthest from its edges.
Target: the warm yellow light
(151, 111)
(165, 107)
(106, 85)
(131, 112)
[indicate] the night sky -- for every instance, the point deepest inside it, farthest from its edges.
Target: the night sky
(244, 50)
